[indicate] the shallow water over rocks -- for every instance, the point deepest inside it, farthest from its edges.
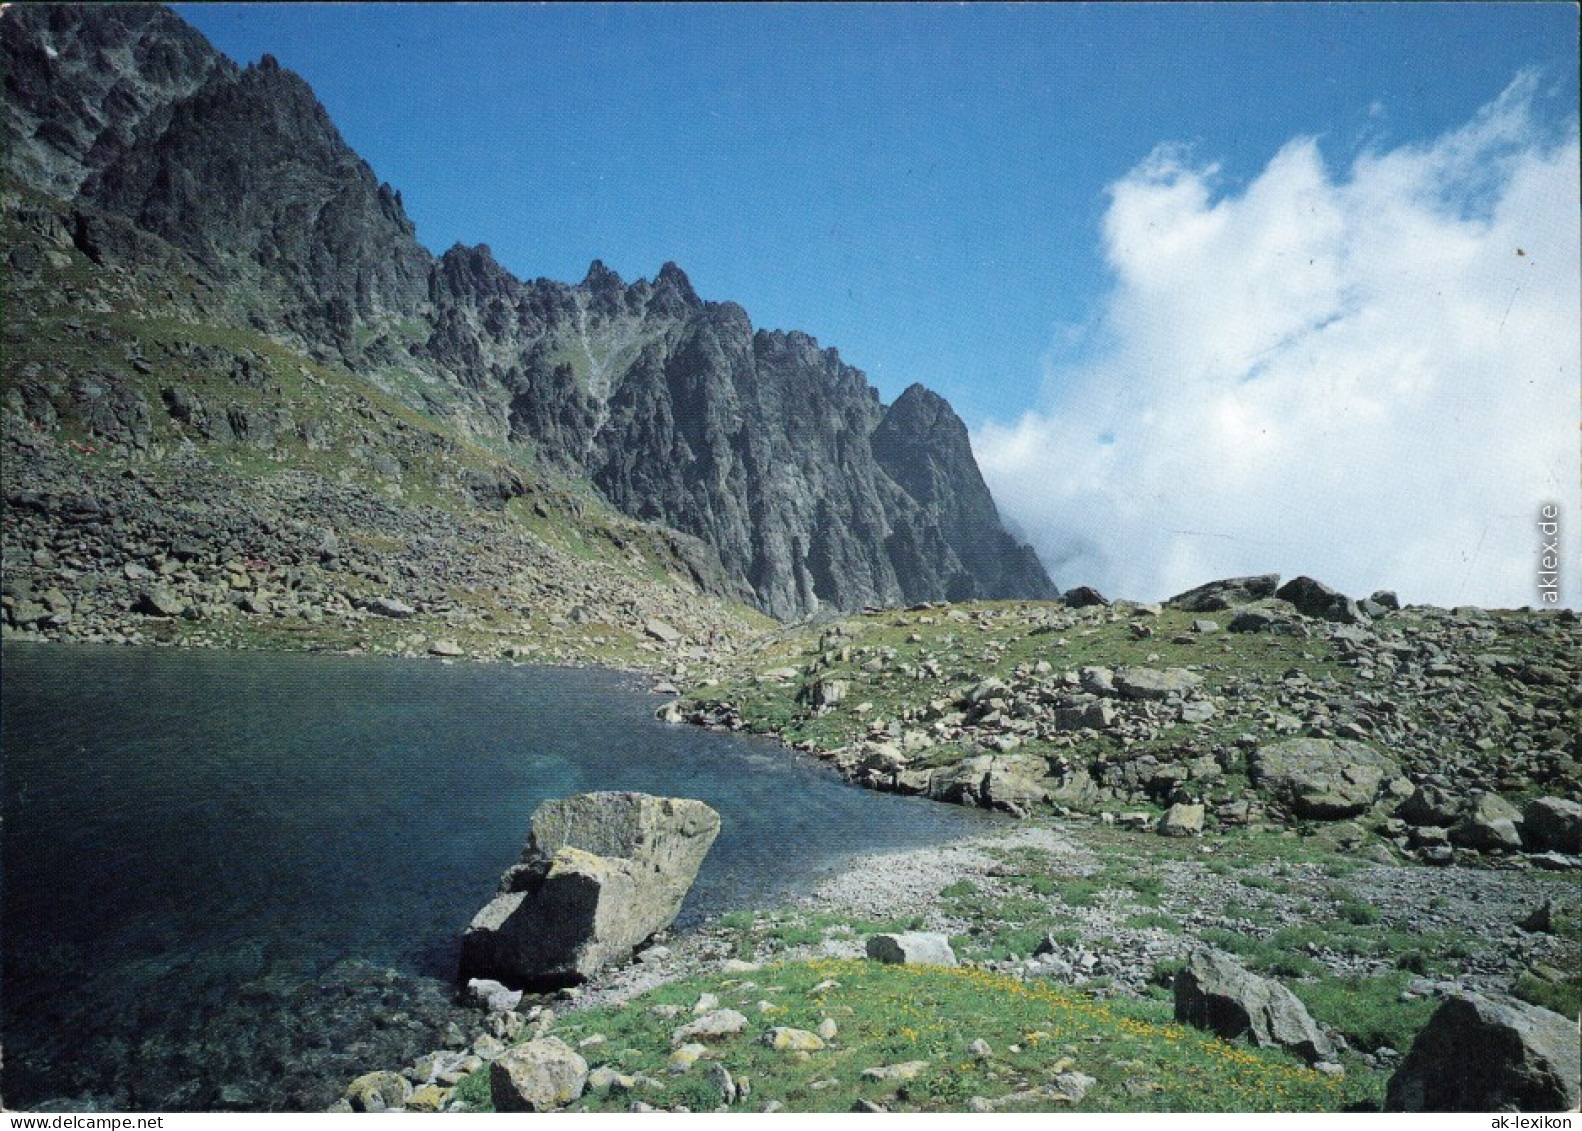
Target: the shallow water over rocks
(238, 879)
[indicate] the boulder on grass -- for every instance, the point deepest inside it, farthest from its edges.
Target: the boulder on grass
(1326, 779)
(1315, 599)
(1183, 819)
(917, 948)
(1488, 823)
(1214, 992)
(601, 873)
(1479, 1054)
(541, 1075)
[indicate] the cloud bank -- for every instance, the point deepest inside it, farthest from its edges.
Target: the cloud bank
(1369, 378)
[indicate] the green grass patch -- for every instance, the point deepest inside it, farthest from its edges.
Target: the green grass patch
(1369, 1012)
(1563, 997)
(1141, 1060)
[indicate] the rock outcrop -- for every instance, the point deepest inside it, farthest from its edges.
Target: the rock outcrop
(1213, 992)
(1478, 1054)
(1226, 593)
(601, 873)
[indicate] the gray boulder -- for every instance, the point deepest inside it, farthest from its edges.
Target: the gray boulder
(1010, 783)
(160, 601)
(1553, 824)
(1215, 993)
(1489, 822)
(1183, 819)
(1430, 805)
(541, 1075)
(1315, 599)
(1478, 1054)
(390, 607)
(916, 948)
(491, 995)
(1323, 778)
(1150, 683)
(1083, 597)
(601, 873)
(1099, 715)
(1226, 593)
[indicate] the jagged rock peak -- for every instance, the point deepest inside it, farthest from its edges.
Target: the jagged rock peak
(472, 273)
(674, 277)
(601, 278)
(927, 418)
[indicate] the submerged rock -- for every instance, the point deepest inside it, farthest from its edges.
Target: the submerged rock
(601, 873)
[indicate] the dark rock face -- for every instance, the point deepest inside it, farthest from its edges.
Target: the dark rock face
(764, 445)
(922, 445)
(1476, 1054)
(249, 175)
(69, 110)
(1315, 599)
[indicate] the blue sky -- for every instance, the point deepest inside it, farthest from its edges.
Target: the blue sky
(956, 195)
(920, 186)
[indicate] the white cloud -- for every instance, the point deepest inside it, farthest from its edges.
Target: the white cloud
(1371, 379)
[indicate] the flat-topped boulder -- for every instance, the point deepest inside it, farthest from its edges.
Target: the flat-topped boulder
(601, 873)
(1226, 593)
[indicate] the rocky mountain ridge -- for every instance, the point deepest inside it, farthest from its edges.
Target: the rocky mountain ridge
(234, 180)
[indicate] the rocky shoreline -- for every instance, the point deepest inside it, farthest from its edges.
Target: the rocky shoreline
(1104, 953)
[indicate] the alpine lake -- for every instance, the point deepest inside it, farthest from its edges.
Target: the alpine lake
(238, 879)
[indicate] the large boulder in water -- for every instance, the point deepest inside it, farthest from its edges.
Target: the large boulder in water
(1478, 1054)
(600, 874)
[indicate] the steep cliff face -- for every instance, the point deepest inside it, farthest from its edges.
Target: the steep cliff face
(922, 444)
(770, 449)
